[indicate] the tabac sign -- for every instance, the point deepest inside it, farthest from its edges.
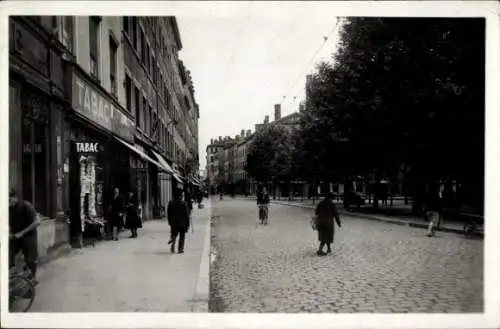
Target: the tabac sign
(88, 147)
(101, 109)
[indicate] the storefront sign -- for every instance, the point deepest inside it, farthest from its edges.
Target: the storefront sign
(88, 147)
(101, 109)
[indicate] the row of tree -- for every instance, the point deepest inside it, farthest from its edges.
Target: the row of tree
(401, 96)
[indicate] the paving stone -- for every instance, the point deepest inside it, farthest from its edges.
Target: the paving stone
(375, 265)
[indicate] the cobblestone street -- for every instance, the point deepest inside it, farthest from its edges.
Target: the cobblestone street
(374, 267)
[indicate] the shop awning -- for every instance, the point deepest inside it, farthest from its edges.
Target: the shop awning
(163, 162)
(141, 154)
(194, 181)
(178, 177)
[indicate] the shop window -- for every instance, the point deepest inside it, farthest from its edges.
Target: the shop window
(94, 29)
(35, 157)
(113, 50)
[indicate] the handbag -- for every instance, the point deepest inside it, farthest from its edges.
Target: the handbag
(314, 223)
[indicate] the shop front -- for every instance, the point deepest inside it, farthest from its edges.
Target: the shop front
(96, 161)
(165, 179)
(36, 103)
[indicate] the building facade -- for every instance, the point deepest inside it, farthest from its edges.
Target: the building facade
(87, 115)
(226, 157)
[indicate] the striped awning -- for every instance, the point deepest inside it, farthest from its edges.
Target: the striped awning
(163, 162)
(141, 154)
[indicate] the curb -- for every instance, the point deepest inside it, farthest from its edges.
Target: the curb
(381, 219)
(201, 298)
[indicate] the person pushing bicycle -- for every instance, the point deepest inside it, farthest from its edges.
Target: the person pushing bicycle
(23, 223)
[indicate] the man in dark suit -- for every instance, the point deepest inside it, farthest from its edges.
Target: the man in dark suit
(178, 219)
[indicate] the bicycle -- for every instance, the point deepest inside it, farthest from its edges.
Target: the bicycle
(263, 214)
(471, 228)
(21, 290)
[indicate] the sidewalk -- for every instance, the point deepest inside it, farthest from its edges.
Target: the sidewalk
(132, 275)
(408, 220)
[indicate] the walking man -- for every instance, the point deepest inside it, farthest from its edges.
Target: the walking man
(433, 209)
(325, 212)
(178, 219)
(116, 213)
(23, 223)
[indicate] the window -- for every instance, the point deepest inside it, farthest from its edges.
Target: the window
(94, 25)
(137, 108)
(135, 42)
(146, 115)
(128, 92)
(125, 24)
(35, 183)
(144, 54)
(152, 67)
(147, 60)
(113, 50)
(151, 120)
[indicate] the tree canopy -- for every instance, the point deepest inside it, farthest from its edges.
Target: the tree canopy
(399, 91)
(270, 154)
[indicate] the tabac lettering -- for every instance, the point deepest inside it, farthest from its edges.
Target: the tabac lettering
(84, 147)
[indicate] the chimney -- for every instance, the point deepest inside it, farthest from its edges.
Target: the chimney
(266, 119)
(302, 107)
(211, 140)
(242, 134)
(220, 138)
(249, 132)
(277, 112)
(308, 79)
(237, 137)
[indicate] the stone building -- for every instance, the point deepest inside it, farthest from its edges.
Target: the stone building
(87, 115)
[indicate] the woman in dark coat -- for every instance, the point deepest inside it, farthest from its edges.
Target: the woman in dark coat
(133, 221)
(325, 212)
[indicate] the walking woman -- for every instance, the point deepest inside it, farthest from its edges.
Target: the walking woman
(133, 220)
(325, 212)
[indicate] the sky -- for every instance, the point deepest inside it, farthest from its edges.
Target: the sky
(242, 65)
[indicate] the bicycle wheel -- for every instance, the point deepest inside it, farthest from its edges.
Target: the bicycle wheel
(21, 293)
(468, 228)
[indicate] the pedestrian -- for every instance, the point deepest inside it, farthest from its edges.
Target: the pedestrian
(178, 219)
(133, 221)
(199, 198)
(433, 209)
(23, 223)
(117, 210)
(325, 212)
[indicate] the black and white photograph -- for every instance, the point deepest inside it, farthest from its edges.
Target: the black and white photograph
(250, 164)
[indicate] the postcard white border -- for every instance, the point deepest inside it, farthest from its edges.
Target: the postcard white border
(488, 9)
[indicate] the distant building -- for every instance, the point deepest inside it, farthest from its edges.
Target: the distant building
(226, 158)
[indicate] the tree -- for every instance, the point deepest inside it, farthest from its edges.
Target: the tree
(270, 154)
(400, 91)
